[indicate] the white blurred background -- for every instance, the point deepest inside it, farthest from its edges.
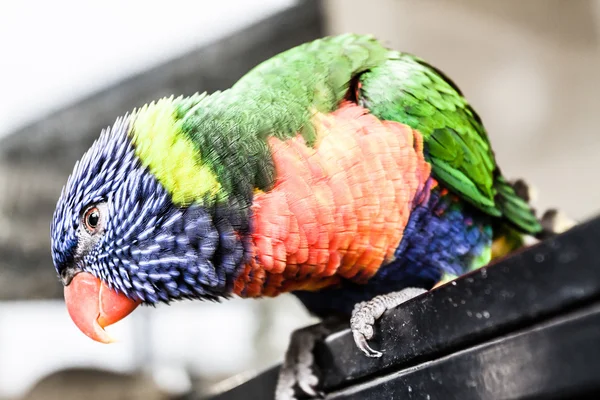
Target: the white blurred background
(529, 68)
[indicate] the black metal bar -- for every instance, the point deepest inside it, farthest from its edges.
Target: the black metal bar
(547, 281)
(542, 281)
(558, 359)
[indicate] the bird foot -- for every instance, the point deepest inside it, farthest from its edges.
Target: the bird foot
(297, 369)
(553, 221)
(366, 313)
(556, 221)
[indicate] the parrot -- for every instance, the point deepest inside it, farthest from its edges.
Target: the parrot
(346, 173)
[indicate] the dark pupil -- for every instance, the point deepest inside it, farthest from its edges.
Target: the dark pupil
(93, 219)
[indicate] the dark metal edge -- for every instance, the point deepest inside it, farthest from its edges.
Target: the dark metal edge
(557, 359)
(539, 282)
(547, 280)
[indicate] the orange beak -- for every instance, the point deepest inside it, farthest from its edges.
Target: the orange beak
(93, 306)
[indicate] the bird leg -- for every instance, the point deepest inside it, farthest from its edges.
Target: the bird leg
(366, 313)
(297, 369)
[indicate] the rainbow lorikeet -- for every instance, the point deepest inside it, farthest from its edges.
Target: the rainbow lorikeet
(346, 173)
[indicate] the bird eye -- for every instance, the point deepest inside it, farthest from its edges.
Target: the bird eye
(91, 219)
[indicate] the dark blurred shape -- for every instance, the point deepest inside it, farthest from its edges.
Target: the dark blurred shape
(36, 160)
(507, 331)
(95, 384)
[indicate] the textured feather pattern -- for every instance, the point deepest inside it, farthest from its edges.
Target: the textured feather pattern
(444, 236)
(408, 90)
(279, 185)
(180, 170)
(152, 250)
(338, 210)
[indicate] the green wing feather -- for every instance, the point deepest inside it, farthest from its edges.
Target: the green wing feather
(276, 98)
(279, 96)
(408, 90)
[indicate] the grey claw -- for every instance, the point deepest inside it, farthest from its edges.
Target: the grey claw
(306, 379)
(308, 388)
(363, 345)
(365, 314)
(297, 369)
(285, 384)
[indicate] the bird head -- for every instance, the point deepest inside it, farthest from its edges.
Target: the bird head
(142, 220)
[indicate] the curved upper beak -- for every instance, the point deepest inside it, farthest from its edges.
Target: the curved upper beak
(93, 306)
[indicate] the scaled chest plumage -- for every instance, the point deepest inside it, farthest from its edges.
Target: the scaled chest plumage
(336, 163)
(338, 209)
(360, 207)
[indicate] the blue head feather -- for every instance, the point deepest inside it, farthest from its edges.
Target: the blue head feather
(149, 248)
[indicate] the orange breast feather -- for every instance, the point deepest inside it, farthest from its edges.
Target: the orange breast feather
(337, 209)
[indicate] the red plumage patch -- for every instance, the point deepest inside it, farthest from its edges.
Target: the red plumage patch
(338, 209)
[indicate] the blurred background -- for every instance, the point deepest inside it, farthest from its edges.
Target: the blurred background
(69, 68)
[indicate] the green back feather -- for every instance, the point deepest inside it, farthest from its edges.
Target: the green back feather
(227, 130)
(408, 90)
